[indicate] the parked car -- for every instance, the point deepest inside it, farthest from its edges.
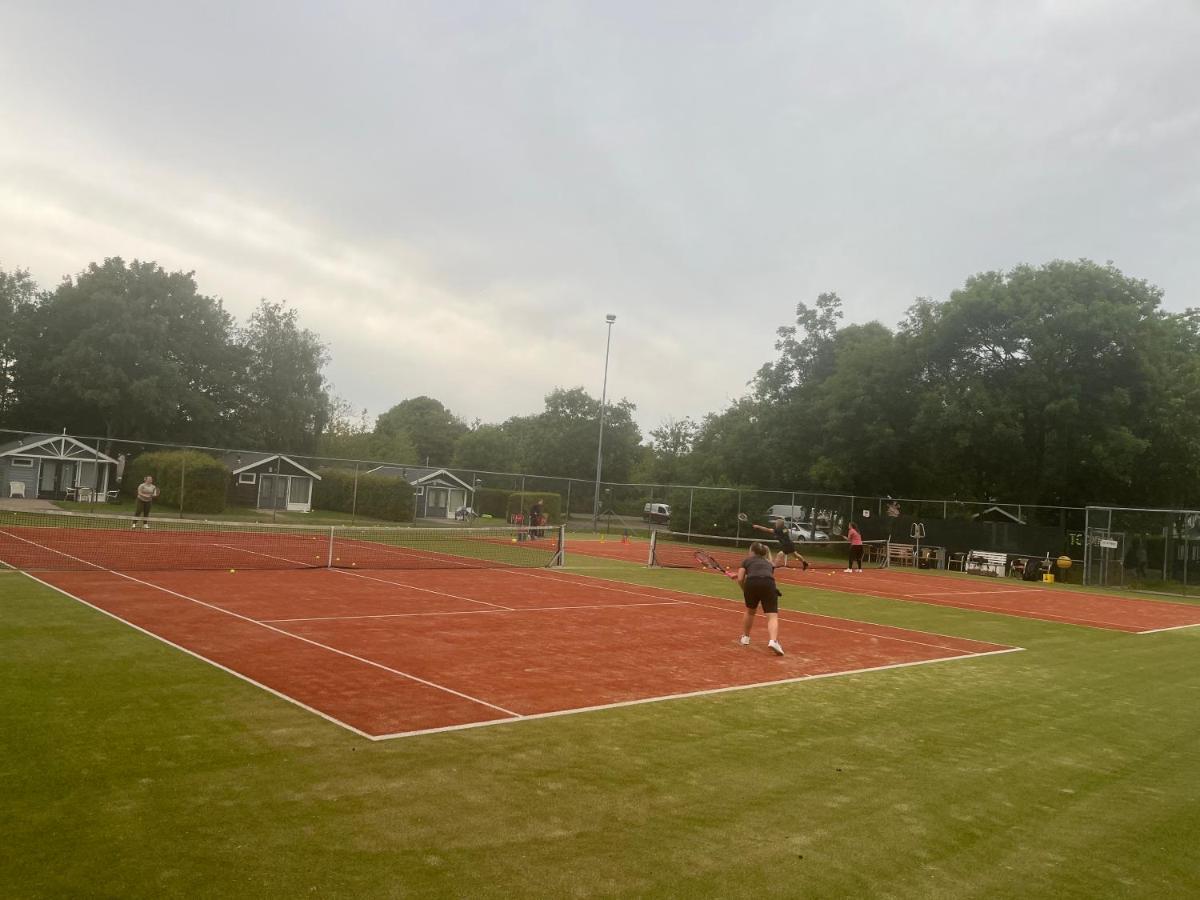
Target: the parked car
(659, 513)
(804, 531)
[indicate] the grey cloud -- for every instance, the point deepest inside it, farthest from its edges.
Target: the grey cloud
(517, 170)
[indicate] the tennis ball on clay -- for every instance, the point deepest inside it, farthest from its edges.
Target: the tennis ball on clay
(231, 571)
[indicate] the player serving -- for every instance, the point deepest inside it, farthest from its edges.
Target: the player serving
(756, 575)
(786, 546)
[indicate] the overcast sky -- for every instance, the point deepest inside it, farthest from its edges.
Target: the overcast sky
(454, 194)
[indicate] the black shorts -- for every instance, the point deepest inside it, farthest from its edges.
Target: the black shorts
(788, 549)
(761, 590)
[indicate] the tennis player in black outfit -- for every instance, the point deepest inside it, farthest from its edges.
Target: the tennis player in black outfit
(786, 546)
(757, 579)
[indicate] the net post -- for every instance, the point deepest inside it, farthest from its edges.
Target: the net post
(329, 554)
(560, 555)
(653, 546)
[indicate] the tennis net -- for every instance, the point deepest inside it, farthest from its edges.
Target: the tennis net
(37, 541)
(676, 550)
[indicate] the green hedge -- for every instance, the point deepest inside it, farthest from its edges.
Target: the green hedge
(204, 480)
(519, 502)
(491, 502)
(386, 497)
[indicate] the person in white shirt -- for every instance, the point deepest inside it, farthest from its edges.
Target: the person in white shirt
(146, 492)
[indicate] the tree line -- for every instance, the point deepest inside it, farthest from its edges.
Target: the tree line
(132, 351)
(1061, 384)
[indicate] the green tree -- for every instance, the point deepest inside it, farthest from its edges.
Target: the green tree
(433, 429)
(130, 351)
(18, 293)
(733, 446)
(286, 401)
(665, 461)
(805, 349)
(487, 448)
(561, 440)
(1041, 384)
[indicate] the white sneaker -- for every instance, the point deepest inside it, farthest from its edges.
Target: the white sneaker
(745, 640)
(133, 527)
(147, 526)
(848, 570)
(775, 648)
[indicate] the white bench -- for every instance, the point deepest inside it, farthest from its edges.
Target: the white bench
(987, 562)
(901, 554)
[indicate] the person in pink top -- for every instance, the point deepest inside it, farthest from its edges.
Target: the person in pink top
(856, 548)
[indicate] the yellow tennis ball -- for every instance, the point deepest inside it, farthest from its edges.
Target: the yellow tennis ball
(231, 571)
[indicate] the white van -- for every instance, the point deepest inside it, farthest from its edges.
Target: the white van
(789, 514)
(656, 512)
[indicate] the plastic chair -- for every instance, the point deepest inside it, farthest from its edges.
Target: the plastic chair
(957, 559)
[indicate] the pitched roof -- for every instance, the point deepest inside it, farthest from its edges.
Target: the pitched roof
(244, 462)
(1001, 511)
(416, 474)
(53, 446)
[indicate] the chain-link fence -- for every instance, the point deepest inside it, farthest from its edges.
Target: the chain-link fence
(1143, 549)
(274, 486)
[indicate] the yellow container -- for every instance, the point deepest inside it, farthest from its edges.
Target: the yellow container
(1048, 578)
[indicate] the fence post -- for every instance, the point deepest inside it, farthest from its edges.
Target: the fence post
(738, 533)
(568, 519)
(182, 480)
(353, 500)
(95, 477)
(691, 501)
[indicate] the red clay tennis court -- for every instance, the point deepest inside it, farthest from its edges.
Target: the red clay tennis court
(390, 652)
(1031, 600)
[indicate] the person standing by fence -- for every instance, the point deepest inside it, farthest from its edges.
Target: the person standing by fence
(535, 519)
(146, 492)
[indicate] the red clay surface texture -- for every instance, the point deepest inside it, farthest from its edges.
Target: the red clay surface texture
(390, 653)
(1008, 596)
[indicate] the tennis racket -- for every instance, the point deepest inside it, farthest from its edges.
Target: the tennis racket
(742, 517)
(707, 561)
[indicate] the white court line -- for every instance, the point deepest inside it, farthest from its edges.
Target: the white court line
(688, 694)
(381, 580)
(205, 659)
(511, 716)
(422, 589)
(1169, 628)
(281, 631)
(476, 612)
(740, 607)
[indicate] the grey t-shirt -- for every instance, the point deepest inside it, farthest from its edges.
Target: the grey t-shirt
(758, 567)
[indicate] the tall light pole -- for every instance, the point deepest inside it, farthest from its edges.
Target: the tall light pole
(610, 318)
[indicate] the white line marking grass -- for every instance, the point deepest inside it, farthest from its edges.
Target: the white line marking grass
(688, 598)
(509, 715)
(690, 694)
(195, 655)
(281, 631)
(476, 612)
(1169, 628)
